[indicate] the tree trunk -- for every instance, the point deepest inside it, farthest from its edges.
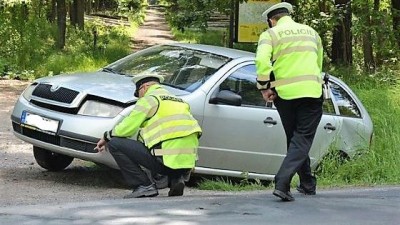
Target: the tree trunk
(396, 20)
(322, 6)
(96, 5)
(51, 11)
(342, 38)
(88, 7)
(80, 14)
(365, 15)
(72, 13)
(61, 22)
(377, 20)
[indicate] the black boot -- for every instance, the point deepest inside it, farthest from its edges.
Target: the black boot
(177, 186)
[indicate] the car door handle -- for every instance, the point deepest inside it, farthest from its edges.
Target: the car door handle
(269, 120)
(329, 126)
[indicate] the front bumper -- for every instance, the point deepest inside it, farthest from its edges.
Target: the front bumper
(76, 136)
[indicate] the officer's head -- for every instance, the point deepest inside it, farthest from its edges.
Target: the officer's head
(143, 82)
(275, 12)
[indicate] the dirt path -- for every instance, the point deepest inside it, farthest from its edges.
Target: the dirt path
(22, 181)
(154, 30)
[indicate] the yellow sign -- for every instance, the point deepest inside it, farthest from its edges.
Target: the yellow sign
(250, 22)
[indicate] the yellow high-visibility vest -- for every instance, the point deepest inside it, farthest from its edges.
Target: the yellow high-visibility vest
(174, 126)
(294, 53)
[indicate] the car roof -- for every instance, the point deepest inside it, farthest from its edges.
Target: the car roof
(223, 51)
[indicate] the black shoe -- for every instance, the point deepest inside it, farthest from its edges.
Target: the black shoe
(285, 196)
(143, 191)
(177, 186)
(302, 190)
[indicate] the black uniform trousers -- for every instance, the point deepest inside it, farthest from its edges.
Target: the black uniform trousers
(132, 155)
(300, 119)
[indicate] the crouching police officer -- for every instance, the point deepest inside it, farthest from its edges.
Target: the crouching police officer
(167, 139)
(293, 53)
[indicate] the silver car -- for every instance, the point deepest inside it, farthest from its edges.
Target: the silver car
(64, 116)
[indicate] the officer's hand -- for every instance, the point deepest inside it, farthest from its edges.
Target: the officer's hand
(101, 145)
(268, 95)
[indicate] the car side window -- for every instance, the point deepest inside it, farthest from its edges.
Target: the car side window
(328, 106)
(347, 106)
(243, 83)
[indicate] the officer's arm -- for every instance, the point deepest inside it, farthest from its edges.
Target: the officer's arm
(320, 53)
(145, 108)
(263, 60)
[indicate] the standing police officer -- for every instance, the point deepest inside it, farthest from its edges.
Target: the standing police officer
(168, 139)
(289, 65)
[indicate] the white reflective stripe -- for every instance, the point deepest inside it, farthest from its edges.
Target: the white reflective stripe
(152, 101)
(296, 79)
(263, 78)
(274, 39)
(262, 87)
(141, 108)
(264, 42)
(160, 152)
(298, 38)
(167, 131)
(168, 119)
(294, 49)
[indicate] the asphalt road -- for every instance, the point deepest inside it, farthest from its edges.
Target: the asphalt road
(360, 206)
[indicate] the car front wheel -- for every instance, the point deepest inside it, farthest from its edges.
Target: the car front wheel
(50, 160)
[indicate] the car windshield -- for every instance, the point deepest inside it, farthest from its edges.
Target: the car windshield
(182, 68)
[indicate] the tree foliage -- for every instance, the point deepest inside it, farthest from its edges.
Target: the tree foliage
(354, 32)
(31, 30)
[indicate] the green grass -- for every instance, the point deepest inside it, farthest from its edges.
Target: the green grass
(229, 184)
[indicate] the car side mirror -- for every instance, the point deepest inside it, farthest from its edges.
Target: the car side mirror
(226, 97)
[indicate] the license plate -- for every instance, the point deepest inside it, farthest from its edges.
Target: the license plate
(37, 122)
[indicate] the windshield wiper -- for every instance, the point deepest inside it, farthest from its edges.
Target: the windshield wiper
(110, 70)
(174, 86)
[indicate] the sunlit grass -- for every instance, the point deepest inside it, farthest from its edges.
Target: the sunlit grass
(226, 184)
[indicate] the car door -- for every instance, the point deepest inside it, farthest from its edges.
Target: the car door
(250, 137)
(245, 138)
(356, 129)
(327, 133)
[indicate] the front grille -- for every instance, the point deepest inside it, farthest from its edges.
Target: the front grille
(55, 140)
(48, 138)
(55, 107)
(78, 145)
(60, 95)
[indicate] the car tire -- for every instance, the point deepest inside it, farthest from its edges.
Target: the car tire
(50, 160)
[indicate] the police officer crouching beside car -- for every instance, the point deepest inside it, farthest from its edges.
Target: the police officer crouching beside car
(293, 53)
(167, 139)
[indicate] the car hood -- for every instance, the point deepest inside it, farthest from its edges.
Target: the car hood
(106, 85)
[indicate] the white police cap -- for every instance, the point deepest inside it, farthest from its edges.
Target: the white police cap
(143, 77)
(283, 5)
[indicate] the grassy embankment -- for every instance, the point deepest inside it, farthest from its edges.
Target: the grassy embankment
(379, 94)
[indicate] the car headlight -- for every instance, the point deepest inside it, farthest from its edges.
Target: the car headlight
(28, 91)
(100, 109)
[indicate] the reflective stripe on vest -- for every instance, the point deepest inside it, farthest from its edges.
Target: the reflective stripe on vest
(292, 80)
(160, 152)
(275, 42)
(172, 120)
